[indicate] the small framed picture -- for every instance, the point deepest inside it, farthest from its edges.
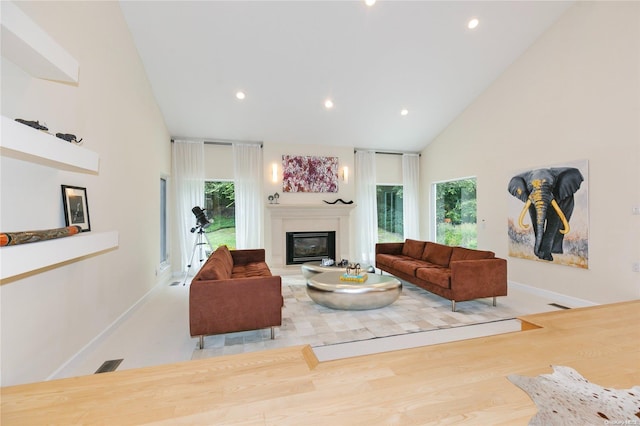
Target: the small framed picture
(76, 208)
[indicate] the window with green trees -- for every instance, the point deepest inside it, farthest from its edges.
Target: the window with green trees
(455, 215)
(220, 207)
(389, 203)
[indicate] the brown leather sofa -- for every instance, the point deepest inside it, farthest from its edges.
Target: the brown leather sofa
(455, 273)
(234, 291)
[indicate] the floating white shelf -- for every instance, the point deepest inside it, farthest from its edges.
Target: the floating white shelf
(25, 143)
(23, 258)
(27, 45)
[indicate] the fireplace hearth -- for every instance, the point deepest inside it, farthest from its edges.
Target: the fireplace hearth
(304, 247)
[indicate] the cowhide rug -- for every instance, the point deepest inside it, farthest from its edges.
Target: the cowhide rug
(567, 398)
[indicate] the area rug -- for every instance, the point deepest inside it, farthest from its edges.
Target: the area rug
(305, 322)
(566, 398)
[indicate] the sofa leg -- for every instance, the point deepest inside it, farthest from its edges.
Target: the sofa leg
(494, 301)
(201, 342)
(453, 306)
(273, 333)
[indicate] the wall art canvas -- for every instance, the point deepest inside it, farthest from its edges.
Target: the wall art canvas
(548, 214)
(309, 174)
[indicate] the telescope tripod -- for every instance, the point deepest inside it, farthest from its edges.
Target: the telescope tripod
(201, 240)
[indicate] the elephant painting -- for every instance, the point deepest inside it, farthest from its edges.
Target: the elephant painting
(548, 195)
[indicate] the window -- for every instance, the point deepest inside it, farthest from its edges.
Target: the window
(219, 199)
(455, 215)
(164, 255)
(389, 202)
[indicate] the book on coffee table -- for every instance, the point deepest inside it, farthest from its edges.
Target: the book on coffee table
(351, 277)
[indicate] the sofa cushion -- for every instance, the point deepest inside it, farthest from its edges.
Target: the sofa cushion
(386, 259)
(225, 255)
(213, 269)
(408, 265)
(461, 253)
(253, 269)
(437, 275)
(218, 266)
(437, 253)
(413, 248)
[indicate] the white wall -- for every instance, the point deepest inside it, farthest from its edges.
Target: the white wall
(574, 95)
(49, 316)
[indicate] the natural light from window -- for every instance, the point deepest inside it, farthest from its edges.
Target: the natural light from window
(219, 199)
(389, 202)
(455, 213)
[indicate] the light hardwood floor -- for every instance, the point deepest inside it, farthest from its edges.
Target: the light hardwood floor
(451, 383)
(156, 332)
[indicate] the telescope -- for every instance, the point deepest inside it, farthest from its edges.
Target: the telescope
(201, 224)
(201, 218)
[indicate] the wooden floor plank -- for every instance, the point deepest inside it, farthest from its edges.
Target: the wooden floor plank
(451, 383)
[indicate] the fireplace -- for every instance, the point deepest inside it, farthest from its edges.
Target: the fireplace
(309, 246)
(297, 218)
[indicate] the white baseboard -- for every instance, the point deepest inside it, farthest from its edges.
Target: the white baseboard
(107, 330)
(562, 299)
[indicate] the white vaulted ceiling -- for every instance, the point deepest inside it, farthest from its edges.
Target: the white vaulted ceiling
(288, 57)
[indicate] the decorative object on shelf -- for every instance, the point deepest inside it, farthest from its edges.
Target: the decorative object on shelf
(68, 137)
(15, 238)
(35, 124)
(270, 198)
(309, 174)
(275, 197)
(76, 207)
(565, 397)
(343, 263)
(338, 200)
(43, 148)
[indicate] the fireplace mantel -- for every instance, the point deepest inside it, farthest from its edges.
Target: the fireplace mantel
(308, 217)
(296, 210)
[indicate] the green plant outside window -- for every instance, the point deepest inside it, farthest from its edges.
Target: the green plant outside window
(390, 221)
(455, 216)
(220, 208)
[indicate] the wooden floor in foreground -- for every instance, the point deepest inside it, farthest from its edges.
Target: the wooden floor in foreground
(453, 383)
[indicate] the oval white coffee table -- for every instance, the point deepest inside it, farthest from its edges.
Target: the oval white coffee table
(310, 269)
(377, 291)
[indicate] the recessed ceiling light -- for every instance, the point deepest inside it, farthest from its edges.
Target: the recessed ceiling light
(369, 2)
(328, 104)
(473, 23)
(240, 95)
(404, 111)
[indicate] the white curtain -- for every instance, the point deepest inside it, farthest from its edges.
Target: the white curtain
(188, 178)
(410, 183)
(247, 170)
(366, 211)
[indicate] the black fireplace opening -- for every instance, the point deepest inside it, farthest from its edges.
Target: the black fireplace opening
(310, 246)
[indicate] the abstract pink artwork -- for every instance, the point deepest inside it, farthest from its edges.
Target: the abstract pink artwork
(309, 174)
